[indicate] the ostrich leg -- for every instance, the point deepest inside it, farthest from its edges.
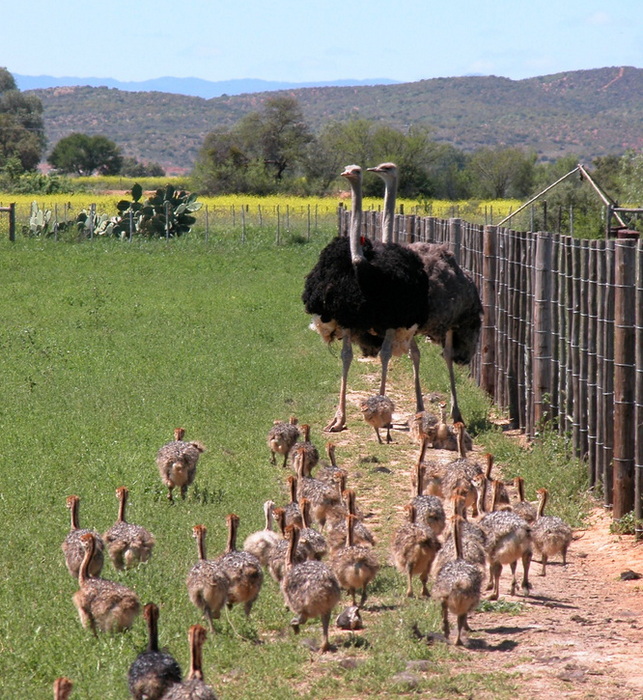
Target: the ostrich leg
(385, 355)
(447, 353)
(339, 421)
(414, 354)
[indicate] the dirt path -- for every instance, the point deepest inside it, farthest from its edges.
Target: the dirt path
(580, 632)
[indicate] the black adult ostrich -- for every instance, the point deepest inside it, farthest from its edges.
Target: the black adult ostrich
(455, 311)
(368, 293)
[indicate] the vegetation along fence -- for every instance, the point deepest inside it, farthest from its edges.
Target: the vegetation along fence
(562, 338)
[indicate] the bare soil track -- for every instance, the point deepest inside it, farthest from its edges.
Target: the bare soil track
(579, 634)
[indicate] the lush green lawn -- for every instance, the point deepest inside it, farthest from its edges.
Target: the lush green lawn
(106, 348)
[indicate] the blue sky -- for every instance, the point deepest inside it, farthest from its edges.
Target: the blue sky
(300, 41)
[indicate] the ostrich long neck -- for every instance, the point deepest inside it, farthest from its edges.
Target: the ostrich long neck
(355, 231)
(292, 546)
(122, 498)
(233, 523)
(90, 547)
(152, 628)
(200, 542)
(543, 501)
(350, 526)
(520, 487)
(459, 435)
(457, 537)
(388, 214)
(267, 509)
(489, 467)
(73, 509)
(196, 643)
(419, 469)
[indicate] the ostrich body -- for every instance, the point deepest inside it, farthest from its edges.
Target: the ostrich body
(523, 508)
(242, 569)
(177, 462)
(354, 565)
(338, 534)
(277, 557)
(103, 605)
(193, 687)
(311, 453)
(368, 293)
(428, 508)
(414, 548)
(260, 543)
(457, 586)
(378, 413)
(127, 544)
(310, 589)
(281, 438)
(550, 533)
(507, 539)
(207, 582)
(472, 539)
(153, 671)
(62, 688)
(72, 545)
(454, 318)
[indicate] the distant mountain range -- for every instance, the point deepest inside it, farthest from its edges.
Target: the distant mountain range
(587, 113)
(185, 86)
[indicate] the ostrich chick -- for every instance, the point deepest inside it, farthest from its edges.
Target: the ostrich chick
(127, 544)
(354, 565)
(457, 586)
(62, 688)
(73, 547)
(103, 605)
(260, 543)
(207, 582)
(281, 439)
(378, 413)
(414, 549)
(242, 569)
(153, 671)
(550, 533)
(507, 539)
(193, 687)
(177, 462)
(310, 589)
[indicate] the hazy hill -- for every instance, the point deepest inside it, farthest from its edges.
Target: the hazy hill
(589, 113)
(183, 86)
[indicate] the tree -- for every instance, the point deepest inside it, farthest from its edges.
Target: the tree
(502, 172)
(131, 167)
(22, 132)
(278, 134)
(85, 155)
(262, 153)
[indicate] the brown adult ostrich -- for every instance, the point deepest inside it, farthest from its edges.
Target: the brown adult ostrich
(454, 316)
(368, 293)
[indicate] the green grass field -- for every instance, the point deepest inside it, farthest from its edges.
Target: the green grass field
(106, 348)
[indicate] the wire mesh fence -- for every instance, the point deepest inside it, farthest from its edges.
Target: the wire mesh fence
(562, 338)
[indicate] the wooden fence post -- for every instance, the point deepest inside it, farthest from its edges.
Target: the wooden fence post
(542, 331)
(624, 376)
(488, 334)
(455, 237)
(638, 474)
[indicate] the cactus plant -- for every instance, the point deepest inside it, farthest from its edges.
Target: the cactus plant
(167, 213)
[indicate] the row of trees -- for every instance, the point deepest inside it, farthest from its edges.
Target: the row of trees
(274, 150)
(23, 142)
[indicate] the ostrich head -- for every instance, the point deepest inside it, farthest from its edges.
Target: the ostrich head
(387, 171)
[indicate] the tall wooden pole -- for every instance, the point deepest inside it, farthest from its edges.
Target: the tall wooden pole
(624, 376)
